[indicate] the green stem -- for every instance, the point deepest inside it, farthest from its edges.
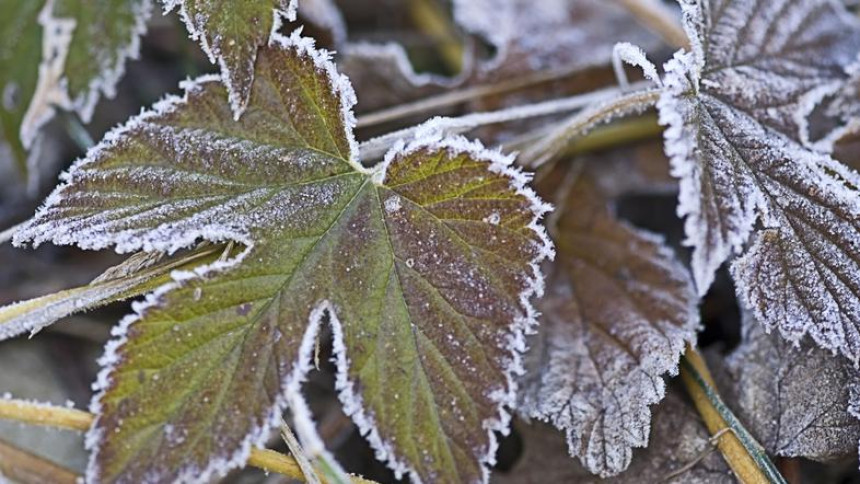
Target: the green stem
(742, 452)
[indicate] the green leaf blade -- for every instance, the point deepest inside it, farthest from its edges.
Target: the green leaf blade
(424, 266)
(230, 34)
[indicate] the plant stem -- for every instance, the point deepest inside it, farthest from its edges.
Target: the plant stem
(655, 16)
(434, 21)
(584, 121)
(6, 235)
(742, 452)
(451, 98)
(612, 135)
(75, 128)
(45, 415)
(117, 283)
(374, 148)
(27, 468)
(73, 419)
(299, 454)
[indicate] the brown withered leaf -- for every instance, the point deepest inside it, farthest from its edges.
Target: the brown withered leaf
(794, 399)
(617, 312)
(678, 438)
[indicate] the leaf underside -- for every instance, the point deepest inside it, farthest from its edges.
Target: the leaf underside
(770, 382)
(425, 275)
(734, 108)
(230, 34)
(618, 310)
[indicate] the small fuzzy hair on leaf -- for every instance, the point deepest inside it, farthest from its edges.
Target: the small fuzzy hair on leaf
(424, 264)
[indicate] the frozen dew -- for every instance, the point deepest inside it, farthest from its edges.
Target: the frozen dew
(392, 204)
(493, 219)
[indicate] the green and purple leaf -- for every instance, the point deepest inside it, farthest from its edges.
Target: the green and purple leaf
(85, 45)
(423, 265)
(18, 74)
(231, 33)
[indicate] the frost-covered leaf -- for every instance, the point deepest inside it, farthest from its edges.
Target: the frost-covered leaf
(231, 33)
(618, 310)
(678, 439)
(793, 399)
(85, 45)
(18, 74)
(734, 109)
(424, 266)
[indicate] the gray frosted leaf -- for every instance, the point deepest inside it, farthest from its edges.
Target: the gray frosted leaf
(616, 315)
(734, 108)
(678, 437)
(793, 399)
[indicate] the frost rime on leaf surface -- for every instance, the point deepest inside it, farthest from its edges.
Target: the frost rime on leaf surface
(734, 108)
(618, 310)
(793, 399)
(429, 302)
(230, 33)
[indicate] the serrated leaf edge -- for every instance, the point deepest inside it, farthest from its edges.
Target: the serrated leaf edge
(303, 46)
(659, 368)
(237, 104)
(503, 397)
(425, 139)
(352, 402)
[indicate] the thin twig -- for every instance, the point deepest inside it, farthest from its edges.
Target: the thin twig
(581, 123)
(658, 18)
(451, 98)
(742, 452)
(431, 19)
(376, 147)
(613, 135)
(6, 235)
(712, 446)
(28, 468)
(75, 128)
(78, 420)
(299, 454)
(73, 419)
